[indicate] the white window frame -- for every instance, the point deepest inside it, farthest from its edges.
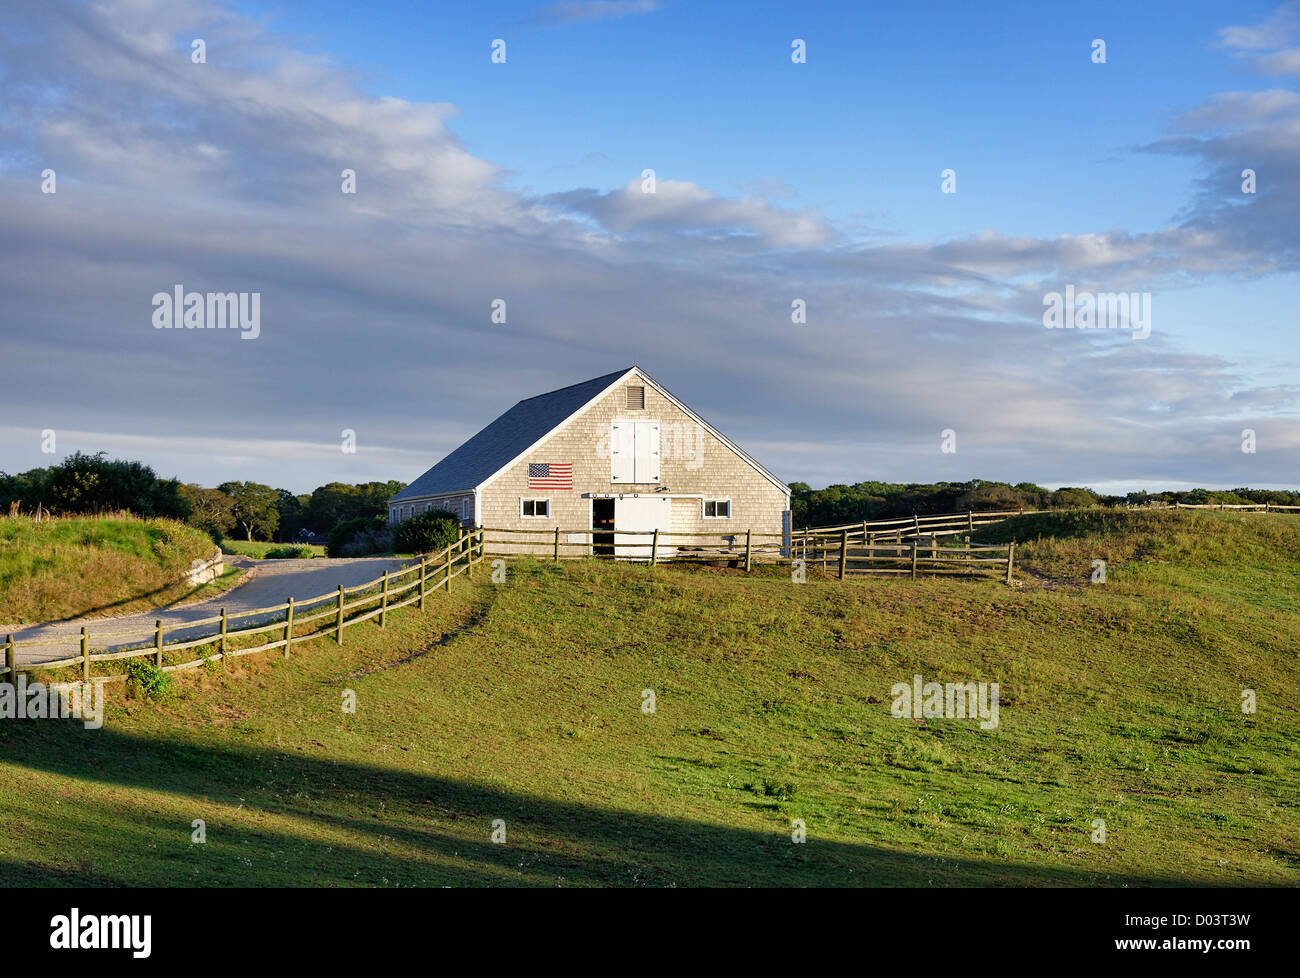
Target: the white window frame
(464, 509)
(704, 509)
(533, 515)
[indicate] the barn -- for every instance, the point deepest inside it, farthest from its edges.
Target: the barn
(618, 452)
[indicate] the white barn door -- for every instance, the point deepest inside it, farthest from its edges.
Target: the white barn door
(644, 514)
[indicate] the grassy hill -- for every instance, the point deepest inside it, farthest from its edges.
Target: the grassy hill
(93, 565)
(523, 702)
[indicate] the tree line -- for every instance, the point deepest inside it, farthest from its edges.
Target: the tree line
(354, 516)
(839, 504)
(87, 484)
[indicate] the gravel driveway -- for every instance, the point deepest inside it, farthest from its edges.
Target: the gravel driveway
(263, 583)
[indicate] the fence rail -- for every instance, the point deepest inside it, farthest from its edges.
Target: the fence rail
(887, 547)
(431, 573)
(1252, 507)
(905, 546)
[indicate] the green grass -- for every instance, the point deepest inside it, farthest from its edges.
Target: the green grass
(74, 566)
(522, 702)
(259, 548)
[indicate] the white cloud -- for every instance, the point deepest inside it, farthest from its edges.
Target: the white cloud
(375, 308)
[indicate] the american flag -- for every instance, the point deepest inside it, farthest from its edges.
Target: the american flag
(550, 475)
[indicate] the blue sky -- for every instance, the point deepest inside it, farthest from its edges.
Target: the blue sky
(776, 180)
(1045, 142)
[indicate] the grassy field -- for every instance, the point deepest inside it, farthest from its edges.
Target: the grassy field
(258, 548)
(64, 568)
(522, 702)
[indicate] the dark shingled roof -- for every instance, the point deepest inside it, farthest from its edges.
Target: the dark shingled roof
(505, 439)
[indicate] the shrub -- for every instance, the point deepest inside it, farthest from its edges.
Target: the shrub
(83, 484)
(288, 553)
(426, 533)
(148, 679)
(359, 537)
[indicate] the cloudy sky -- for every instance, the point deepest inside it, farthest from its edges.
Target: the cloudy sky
(774, 181)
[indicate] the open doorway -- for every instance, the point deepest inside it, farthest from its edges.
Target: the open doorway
(602, 518)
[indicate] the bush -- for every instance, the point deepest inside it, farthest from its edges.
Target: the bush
(426, 533)
(85, 484)
(148, 679)
(288, 553)
(359, 537)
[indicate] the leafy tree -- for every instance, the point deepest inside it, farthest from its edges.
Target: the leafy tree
(336, 502)
(211, 510)
(29, 489)
(84, 483)
(1071, 498)
(293, 513)
(255, 507)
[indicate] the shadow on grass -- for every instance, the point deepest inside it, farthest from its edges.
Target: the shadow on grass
(285, 819)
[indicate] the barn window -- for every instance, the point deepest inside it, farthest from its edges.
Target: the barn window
(636, 398)
(634, 451)
(717, 509)
(464, 508)
(535, 507)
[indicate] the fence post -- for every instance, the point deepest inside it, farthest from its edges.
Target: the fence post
(1011, 559)
(557, 544)
(970, 569)
(914, 559)
(338, 634)
(383, 603)
(970, 520)
(10, 659)
(424, 562)
(157, 642)
(85, 655)
(917, 523)
(222, 646)
(654, 548)
(288, 630)
(844, 551)
(469, 555)
(749, 548)
(446, 567)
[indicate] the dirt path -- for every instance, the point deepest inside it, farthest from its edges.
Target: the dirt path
(263, 583)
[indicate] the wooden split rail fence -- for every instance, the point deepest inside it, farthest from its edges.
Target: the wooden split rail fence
(334, 611)
(908, 546)
(1244, 507)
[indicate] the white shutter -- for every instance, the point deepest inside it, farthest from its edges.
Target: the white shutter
(647, 451)
(622, 452)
